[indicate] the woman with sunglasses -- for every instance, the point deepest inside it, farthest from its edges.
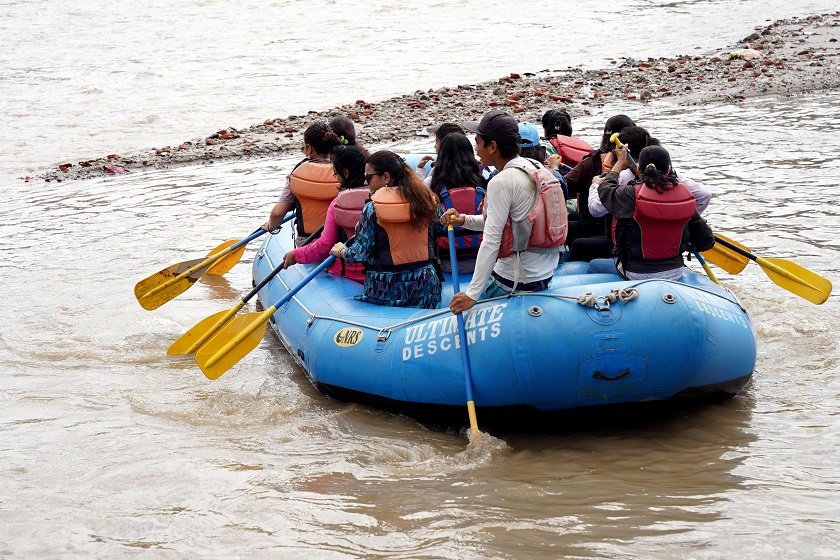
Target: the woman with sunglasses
(342, 214)
(393, 238)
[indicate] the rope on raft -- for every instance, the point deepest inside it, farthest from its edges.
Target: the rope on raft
(624, 295)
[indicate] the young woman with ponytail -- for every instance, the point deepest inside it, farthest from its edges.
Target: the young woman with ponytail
(311, 185)
(394, 236)
(656, 219)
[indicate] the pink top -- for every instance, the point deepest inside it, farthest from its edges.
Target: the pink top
(319, 250)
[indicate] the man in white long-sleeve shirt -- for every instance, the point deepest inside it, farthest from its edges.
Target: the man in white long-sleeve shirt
(510, 194)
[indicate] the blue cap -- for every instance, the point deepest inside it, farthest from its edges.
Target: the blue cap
(530, 135)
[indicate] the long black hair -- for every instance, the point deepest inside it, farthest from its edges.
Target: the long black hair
(456, 165)
(614, 124)
(321, 137)
(422, 202)
(557, 121)
(349, 165)
(636, 138)
(655, 166)
(345, 129)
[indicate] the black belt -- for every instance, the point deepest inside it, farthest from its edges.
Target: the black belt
(398, 267)
(537, 286)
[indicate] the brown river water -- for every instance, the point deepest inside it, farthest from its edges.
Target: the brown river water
(109, 449)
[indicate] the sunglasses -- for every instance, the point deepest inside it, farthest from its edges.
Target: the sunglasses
(369, 175)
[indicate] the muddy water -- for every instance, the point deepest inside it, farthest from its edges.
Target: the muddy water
(109, 449)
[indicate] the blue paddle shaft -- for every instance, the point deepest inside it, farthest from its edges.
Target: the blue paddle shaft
(258, 233)
(248, 239)
(315, 272)
(271, 274)
(462, 331)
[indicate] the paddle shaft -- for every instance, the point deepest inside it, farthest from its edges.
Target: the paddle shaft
(735, 248)
(706, 267)
(462, 335)
(614, 139)
(277, 269)
(266, 315)
(763, 263)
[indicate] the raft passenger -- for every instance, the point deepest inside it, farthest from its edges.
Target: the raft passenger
(657, 219)
(458, 184)
(511, 197)
(442, 131)
(311, 185)
(345, 130)
(558, 136)
(531, 148)
(589, 236)
(342, 215)
(393, 237)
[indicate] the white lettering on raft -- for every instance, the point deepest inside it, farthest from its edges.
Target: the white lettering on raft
(441, 335)
(711, 305)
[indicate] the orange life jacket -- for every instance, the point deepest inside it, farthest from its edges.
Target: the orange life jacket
(404, 243)
(607, 161)
(314, 187)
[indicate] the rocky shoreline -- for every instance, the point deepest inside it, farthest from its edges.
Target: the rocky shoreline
(790, 56)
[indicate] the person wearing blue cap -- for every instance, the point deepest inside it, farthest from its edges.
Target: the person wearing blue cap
(510, 198)
(533, 148)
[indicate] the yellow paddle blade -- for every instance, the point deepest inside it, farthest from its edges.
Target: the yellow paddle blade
(797, 279)
(224, 264)
(727, 259)
(202, 331)
(167, 292)
(158, 278)
(232, 343)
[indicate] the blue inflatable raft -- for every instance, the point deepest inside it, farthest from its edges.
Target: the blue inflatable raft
(590, 340)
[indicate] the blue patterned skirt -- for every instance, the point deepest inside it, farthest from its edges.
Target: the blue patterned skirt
(418, 287)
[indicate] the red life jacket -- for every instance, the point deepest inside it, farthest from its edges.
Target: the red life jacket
(546, 225)
(314, 187)
(651, 241)
(403, 244)
(571, 149)
(662, 218)
(348, 209)
(466, 200)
